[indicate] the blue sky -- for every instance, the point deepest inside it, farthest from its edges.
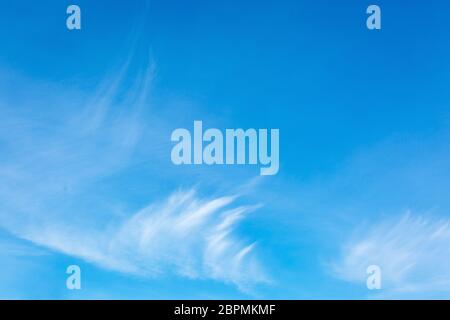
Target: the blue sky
(85, 171)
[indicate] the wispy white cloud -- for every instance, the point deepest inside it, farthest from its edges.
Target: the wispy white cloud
(55, 155)
(184, 235)
(12, 248)
(412, 251)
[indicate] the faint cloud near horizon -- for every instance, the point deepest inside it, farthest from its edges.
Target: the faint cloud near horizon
(413, 252)
(184, 235)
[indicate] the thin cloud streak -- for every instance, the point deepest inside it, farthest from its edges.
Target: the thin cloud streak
(413, 252)
(185, 235)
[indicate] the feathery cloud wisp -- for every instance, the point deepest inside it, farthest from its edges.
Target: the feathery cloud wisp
(55, 158)
(413, 253)
(185, 235)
